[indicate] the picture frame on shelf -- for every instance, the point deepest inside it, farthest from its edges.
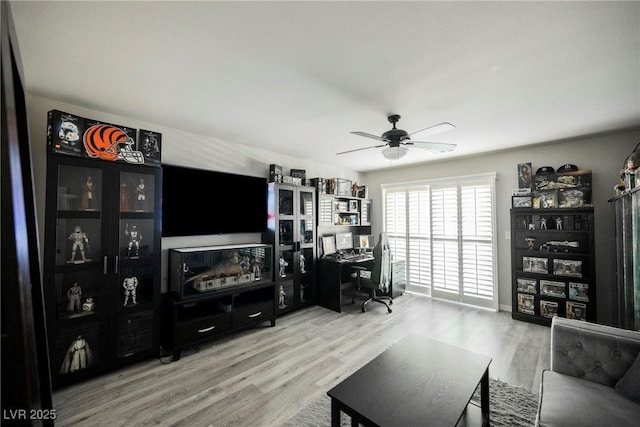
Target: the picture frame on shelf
(521, 202)
(524, 175)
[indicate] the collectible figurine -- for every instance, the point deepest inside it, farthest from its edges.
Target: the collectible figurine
(74, 294)
(283, 264)
(88, 305)
(255, 264)
(87, 201)
(141, 197)
(281, 296)
(81, 242)
(530, 241)
(124, 198)
(79, 356)
(134, 240)
(558, 223)
(532, 226)
(543, 223)
(302, 266)
(130, 284)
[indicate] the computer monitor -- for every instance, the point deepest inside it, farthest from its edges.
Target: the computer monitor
(328, 245)
(363, 242)
(344, 241)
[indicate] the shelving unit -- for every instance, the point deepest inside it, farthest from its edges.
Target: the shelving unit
(292, 232)
(552, 264)
(344, 211)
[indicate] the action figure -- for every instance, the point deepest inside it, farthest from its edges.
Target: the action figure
(255, 265)
(74, 294)
(79, 356)
(124, 198)
(282, 294)
(543, 223)
(558, 223)
(302, 266)
(130, 284)
(141, 197)
(283, 264)
(87, 200)
(134, 240)
(88, 305)
(80, 241)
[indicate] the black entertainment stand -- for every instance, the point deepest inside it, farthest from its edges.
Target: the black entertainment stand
(214, 290)
(188, 322)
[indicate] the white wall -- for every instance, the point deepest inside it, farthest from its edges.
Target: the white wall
(603, 154)
(179, 147)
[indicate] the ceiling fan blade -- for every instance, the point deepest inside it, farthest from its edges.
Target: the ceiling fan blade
(360, 149)
(368, 135)
(432, 130)
(434, 146)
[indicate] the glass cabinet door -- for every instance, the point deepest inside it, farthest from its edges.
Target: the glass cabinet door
(285, 201)
(77, 297)
(135, 283)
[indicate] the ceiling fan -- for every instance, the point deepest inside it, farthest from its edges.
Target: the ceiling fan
(397, 140)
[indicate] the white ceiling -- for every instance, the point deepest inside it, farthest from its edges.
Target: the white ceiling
(297, 77)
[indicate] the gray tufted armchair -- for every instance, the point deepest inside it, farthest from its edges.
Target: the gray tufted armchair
(587, 361)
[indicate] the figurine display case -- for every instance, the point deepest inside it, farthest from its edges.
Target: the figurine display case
(553, 264)
(101, 265)
(216, 290)
(291, 229)
(198, 272)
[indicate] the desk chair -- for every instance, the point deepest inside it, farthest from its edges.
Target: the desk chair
(378, 278)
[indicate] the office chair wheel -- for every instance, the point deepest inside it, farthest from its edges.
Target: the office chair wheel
(364, 310)
(389, 310)
(390, 302)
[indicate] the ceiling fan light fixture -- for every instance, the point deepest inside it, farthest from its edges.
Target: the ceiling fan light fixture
(394, 153)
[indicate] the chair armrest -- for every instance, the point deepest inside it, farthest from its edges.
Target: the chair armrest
(594, 352)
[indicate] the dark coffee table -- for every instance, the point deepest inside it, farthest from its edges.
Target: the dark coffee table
(416, 382)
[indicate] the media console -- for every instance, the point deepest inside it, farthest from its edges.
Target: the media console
(216, 290)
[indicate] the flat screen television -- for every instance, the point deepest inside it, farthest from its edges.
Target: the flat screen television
(202, 202)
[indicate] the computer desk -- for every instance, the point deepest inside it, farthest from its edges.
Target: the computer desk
(335, 277)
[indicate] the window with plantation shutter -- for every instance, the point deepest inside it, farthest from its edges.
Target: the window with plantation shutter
(444, 229)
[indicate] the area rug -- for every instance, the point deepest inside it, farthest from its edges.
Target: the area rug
(510, 407)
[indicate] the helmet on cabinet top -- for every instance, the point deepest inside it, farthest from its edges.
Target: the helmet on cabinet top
(567, 168)
(545, 170)
(111, 143)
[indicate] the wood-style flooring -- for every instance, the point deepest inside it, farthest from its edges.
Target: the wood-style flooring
(262, 376)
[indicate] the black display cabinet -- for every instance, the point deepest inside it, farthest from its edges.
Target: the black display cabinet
(291, 229)
(552, 264)
(101, 265)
